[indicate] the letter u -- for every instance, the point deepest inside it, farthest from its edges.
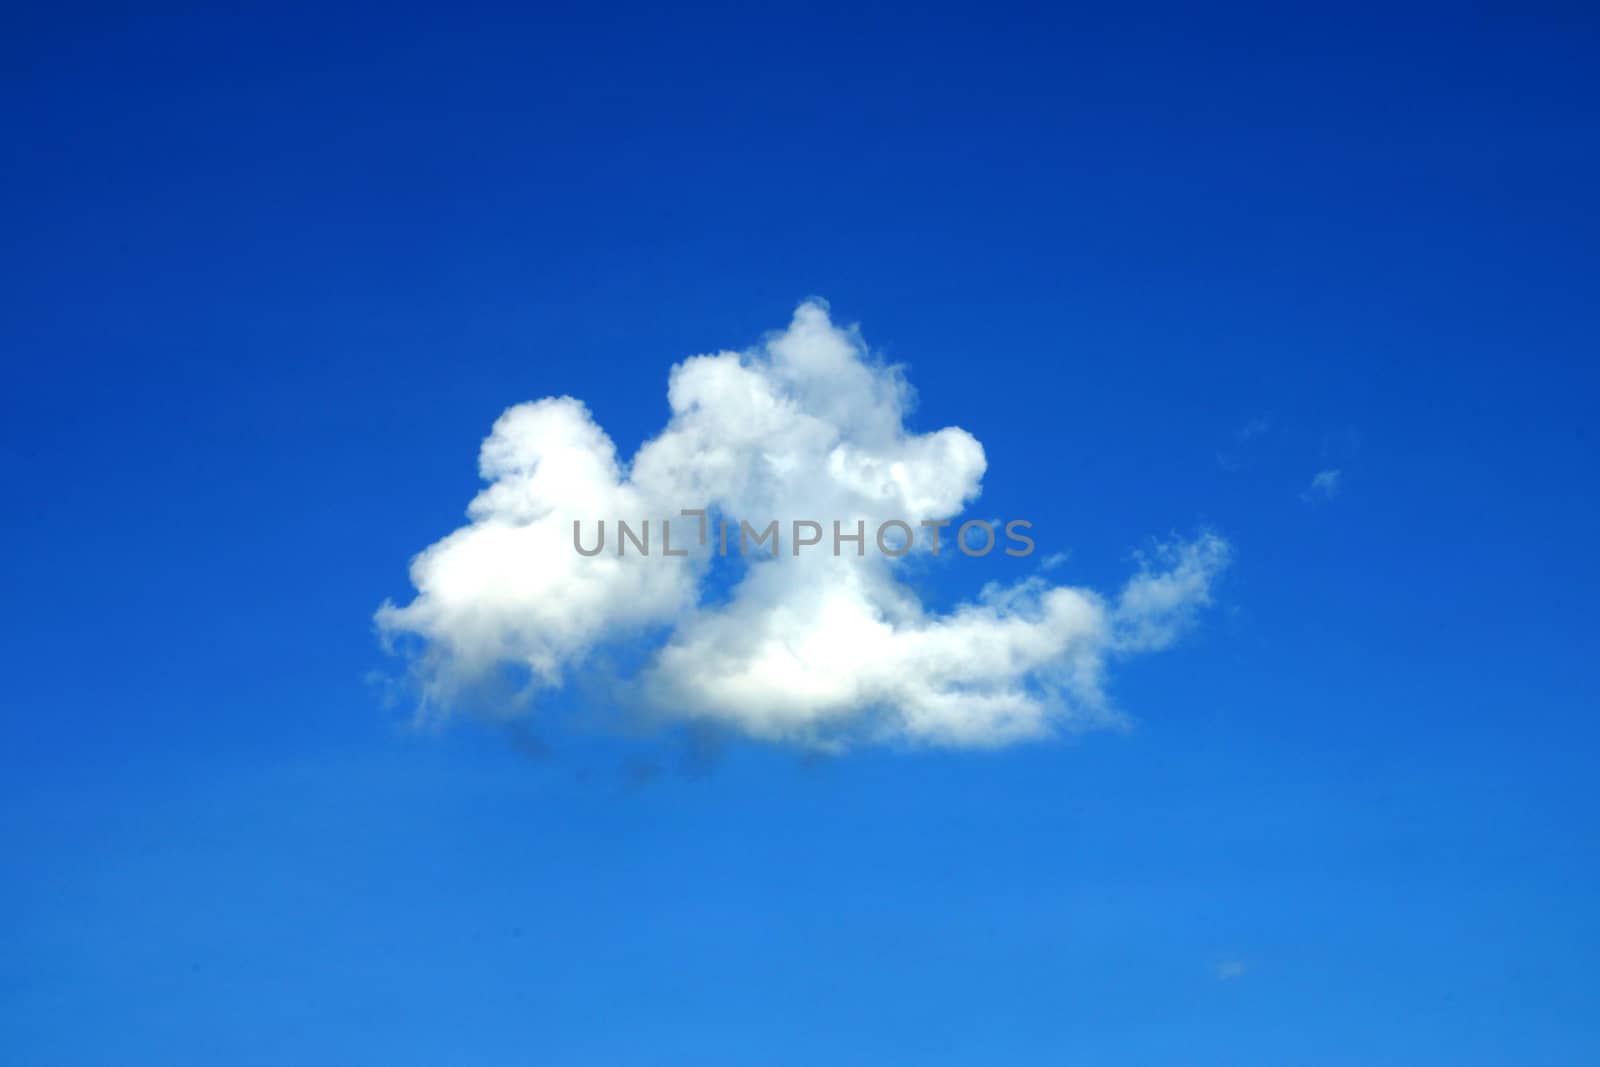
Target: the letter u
(578, 543)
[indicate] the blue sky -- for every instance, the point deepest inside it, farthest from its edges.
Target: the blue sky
(273, 275)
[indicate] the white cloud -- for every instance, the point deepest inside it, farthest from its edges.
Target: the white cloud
(1235, 459)
(815, 649)
(1325, 486)
(1253, 429)
(1230, 970)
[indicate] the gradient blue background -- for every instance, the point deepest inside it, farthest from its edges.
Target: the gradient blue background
(270, 275)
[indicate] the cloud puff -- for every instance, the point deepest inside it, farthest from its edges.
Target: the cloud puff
(814, 648)
(1235, 459)
(1324, 486)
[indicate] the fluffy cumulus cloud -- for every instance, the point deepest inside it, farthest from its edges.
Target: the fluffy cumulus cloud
(813, 648)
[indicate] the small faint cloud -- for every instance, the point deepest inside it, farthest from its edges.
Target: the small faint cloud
(1345, 441)
(1234, 459)
(527, 743)
(1230, 970)
(1052, 561)
(639, 772)
(1254, 428)
(1324, 486)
